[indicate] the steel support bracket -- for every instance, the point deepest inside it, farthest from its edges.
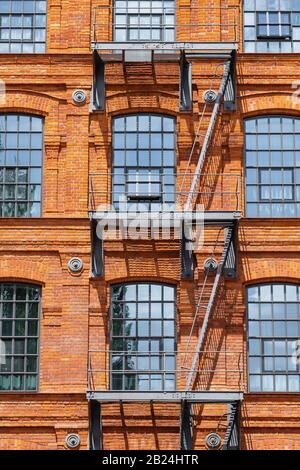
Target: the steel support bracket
(95, 426)
(230, 94)
(186, 86)
(187, 255)
(232, 440)
(97, 251)
(98, 91)
(230, 267)
(186, 426)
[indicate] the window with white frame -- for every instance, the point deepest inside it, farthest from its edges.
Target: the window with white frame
(23, 26)
(272, 153)
(271, 26)
(143, 337)
(19, 336)
(144, 20)
(273, 336)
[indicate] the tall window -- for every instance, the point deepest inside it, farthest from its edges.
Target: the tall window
(19, 336)
(137, 20)
(21, 152)
(23, 26)
(144, 160)
(143, 337)
(273, 329)
(273, 167)
(271, 26)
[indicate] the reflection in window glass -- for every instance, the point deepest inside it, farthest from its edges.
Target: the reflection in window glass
(23, 26)
(21, 152)
(271, 26)
(143, 350)
(272, 147)
(144, 161)
(144, 20)
(273, 330)
(19, 336)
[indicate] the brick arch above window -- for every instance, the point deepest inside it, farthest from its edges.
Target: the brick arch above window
(271, 102)
(29, 102)
(145, 101)
(167, 111)
(25, 269)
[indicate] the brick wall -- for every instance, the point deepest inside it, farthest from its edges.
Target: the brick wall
(75, 308)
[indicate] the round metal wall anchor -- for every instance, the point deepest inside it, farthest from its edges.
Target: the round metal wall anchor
(213, 441)
(75, 265)
(79, 96)
(72, 441)
(210, 264)
(210, 96)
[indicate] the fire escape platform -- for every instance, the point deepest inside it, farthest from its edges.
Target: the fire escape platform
(200, 47)
(209, 217)
(223, 397)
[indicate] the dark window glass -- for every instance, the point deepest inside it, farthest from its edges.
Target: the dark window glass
(19, 337)
(143, 349)
(273, 336)
(272, 148)
(21, 155)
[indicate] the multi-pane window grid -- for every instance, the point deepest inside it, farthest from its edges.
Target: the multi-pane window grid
(21, 142)
(273, 329)
(273, 167)
(22, 26)
(19, 332)
(143, 337)
(144, 20)
(271, 26)
(143, 161)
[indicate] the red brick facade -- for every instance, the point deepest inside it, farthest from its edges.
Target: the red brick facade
(75, 307)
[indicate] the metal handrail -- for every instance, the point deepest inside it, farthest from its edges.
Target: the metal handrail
(109, 23)
(216, 191)
(179, 370)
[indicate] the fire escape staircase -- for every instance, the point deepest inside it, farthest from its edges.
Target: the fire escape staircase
(227, 266)
(226, 96)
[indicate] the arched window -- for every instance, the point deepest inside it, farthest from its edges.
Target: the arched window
(21, 159)
(273, 335)
(144, 160)
(143, 337)
(272, 146)
(142, 21)
(271, 26)
(19, 336)
(23, 26)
